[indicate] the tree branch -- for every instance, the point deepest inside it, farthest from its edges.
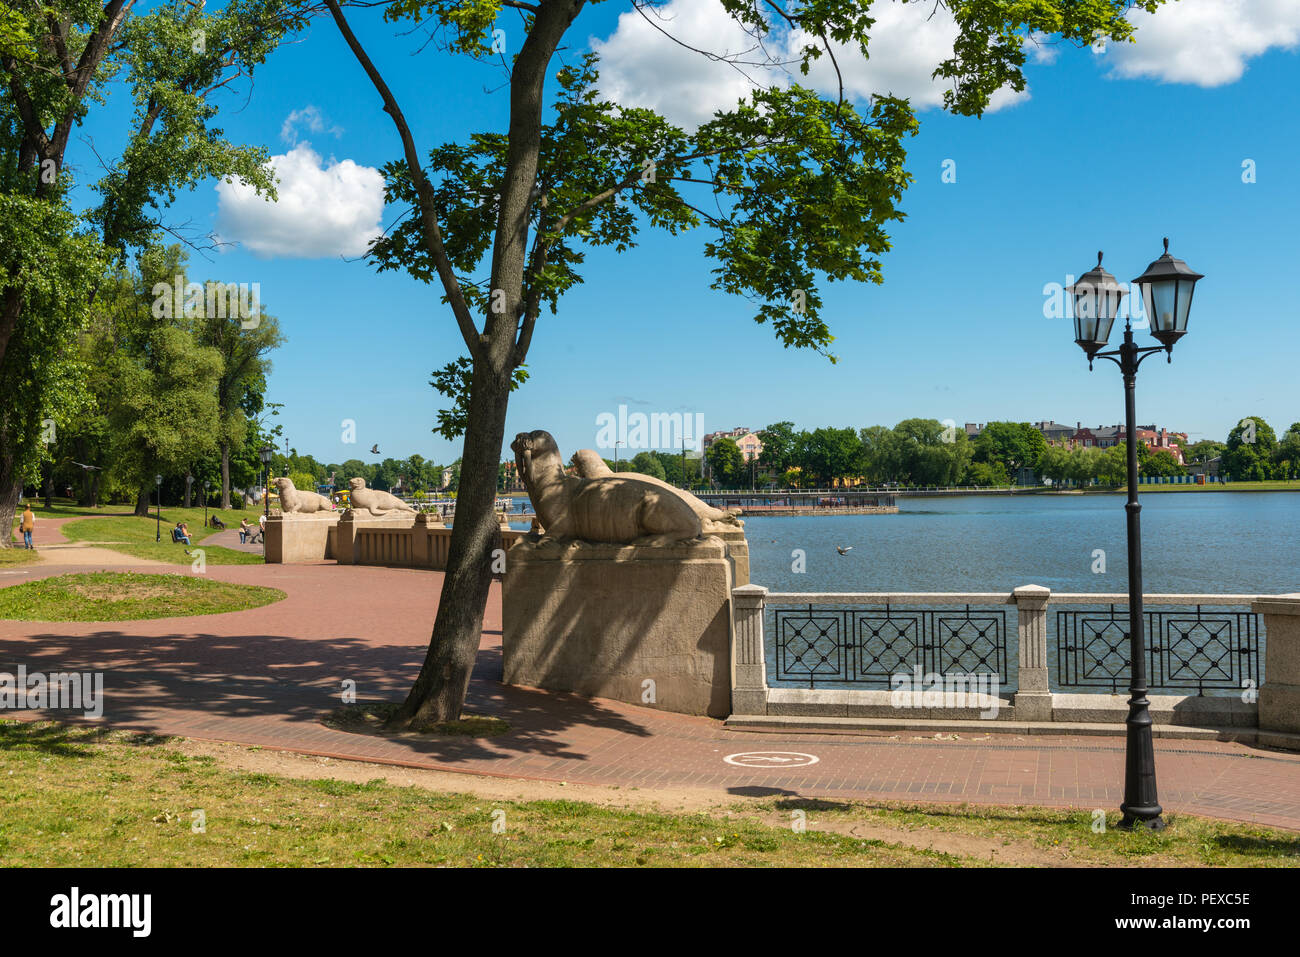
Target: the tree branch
(424, 189)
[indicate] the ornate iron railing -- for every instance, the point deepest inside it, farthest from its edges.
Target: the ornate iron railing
(1186, 649)
(868, 645)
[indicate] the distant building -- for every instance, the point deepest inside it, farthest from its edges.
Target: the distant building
(1055, 432)
(751, 446)
(973, 429)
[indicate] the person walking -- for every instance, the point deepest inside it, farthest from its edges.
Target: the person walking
(243, 531)
(28, 525)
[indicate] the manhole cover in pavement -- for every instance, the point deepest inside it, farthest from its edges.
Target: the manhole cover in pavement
(771, 759)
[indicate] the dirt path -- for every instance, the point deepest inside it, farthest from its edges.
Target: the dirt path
(86, 553)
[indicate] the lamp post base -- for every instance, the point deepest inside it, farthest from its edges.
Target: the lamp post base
(1143, 817)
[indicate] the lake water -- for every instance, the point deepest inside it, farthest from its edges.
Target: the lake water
(1215, 542)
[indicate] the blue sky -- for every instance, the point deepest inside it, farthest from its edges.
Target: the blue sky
(1091, 159)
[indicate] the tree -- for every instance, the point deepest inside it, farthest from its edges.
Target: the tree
(1250, 448)
(244, 366)
(1162, 462)
(925, 452)
(780, 445)
(1014, 445)
(58, 59)
(1287, 457)
(1054, 464)
(162, 410)
(1201, 452)
(880, 454)
(726, 462)
(794, 187)
(829, 454)
(647, 463)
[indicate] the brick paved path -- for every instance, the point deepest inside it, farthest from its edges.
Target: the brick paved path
(265, 676)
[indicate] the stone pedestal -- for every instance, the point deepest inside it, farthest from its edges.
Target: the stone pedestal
(649, 625)
(748, 669)
(299, 538)
(1279, 698)
(738, 552)
(344, 540)
(1033, 700)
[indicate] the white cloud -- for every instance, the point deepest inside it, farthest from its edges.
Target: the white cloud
(324, 209)
(639, 66)
(308, 116)
(1205, 42)
(642, 67)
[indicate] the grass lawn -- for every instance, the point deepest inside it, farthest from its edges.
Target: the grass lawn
(123, 596)
(77, 796)
(134, 535)
(1278, 485)
(17, 556)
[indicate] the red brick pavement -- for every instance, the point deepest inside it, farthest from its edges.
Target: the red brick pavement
(265, 676)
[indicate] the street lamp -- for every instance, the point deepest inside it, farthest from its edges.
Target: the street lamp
(205, 503)
(266, 452)
(189, 484)
(157, 481)
(1166, 289)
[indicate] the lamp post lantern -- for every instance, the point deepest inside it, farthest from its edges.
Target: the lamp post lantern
(1166, 289)
(266, 452)
(157, 481)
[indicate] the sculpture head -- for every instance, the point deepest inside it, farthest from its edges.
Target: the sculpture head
(537, 458)
(356, 483)
(588, 464)
(284, 482)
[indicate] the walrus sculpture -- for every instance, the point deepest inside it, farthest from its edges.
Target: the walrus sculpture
(295, 501)
(373, 500)
(608, 508)
(589, 464)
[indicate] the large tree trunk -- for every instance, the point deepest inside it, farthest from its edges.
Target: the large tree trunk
(48, 485)
(94, 489)
(189, 490)
(142, 502)
(10, 490)
(439, 692)
(225, 475)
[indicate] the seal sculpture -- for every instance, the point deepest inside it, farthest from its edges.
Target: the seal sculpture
(588, 464)
(294, 501)
(373, 500)
(608, 508)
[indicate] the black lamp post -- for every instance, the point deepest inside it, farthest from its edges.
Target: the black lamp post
(205, 503)
(1166, 289)
(266, 452)
(157, 481)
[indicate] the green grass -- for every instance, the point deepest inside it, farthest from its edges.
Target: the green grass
(134, 535)
(80, 797)
(18, 556)
(1278, 485)
(1187, 841)
(123, 596)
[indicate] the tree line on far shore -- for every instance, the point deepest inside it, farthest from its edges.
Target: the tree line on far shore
(925, 452)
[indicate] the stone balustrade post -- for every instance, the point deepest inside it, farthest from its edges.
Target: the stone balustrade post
(1279, 697)
(1033, 701)
(748, 669)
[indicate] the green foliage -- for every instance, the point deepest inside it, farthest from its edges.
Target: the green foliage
(647, 464)
(1162, 462)
(1014, 445)
(1250, 448)
(454, 381)
(726, 462)
(780, 446)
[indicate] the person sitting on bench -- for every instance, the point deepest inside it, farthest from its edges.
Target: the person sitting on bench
(181, 534)
(217, 522)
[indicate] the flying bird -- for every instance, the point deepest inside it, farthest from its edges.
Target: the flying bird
(88, 468)
(374, 449)
(844, 550)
